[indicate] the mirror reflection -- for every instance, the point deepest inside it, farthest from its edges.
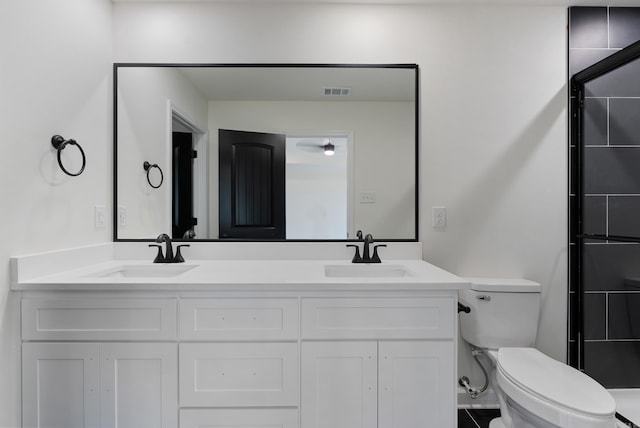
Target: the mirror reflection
(265, 152)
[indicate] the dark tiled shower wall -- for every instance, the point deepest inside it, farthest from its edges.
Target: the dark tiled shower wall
(612, 203)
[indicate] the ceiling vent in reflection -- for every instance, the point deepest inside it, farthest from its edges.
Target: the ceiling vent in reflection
(335, 91)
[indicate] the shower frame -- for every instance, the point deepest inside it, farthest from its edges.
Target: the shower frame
(577, 235)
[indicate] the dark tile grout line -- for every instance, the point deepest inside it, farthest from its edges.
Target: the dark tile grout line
(619, 417)
(474, 421)
(625, 421)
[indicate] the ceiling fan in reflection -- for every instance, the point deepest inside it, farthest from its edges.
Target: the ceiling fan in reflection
(318, 145)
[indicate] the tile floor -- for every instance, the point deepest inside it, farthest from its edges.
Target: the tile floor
(480, 418)
(476, 418)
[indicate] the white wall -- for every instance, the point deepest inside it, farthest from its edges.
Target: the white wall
(316, 201)
(143, 135)
(493, 114)
(55, 78)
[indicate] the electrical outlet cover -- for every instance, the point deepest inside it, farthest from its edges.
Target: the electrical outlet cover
(438, 217)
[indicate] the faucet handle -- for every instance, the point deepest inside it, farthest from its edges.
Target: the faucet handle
(356, 256)
(159, 257)
(178, 257)
(376, 258)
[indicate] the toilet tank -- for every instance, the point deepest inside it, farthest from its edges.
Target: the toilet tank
(504, 312)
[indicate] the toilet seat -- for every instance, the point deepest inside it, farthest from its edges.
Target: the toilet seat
(553, 391)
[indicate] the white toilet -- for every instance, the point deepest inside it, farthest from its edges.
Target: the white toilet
(535, 391)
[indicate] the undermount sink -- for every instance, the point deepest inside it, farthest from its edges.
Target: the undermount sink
(144, 271)
(365, 271)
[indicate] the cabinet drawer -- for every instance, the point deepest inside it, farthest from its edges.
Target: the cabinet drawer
(238, 374)
(239, 418)
(378, 318)
(238, 319)
(99, 319)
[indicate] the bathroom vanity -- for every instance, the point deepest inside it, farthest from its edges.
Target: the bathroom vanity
(117, 341)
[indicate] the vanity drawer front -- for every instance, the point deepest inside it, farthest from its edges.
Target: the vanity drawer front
(378, 318)
(238, 374)
(239, 418)
(99, 319)
(238, 319)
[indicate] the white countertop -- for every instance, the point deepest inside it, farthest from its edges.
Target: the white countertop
(221, 275)
(243, 274)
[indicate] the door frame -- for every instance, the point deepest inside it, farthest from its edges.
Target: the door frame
(200, 169)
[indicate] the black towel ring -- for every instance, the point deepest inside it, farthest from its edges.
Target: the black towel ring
(147, 167)
(59, 143)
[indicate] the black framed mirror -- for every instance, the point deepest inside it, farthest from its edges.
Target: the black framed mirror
(243, 150)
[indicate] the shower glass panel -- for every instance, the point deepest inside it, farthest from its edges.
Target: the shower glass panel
(605, 217)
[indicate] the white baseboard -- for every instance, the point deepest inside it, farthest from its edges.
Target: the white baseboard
(486, 400)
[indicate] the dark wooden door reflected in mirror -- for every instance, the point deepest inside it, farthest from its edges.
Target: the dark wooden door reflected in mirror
(252, 185)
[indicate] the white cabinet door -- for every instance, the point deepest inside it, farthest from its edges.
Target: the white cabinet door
(139, 383)
(415, 387)
(60, 385)
(339, 384)
(91, 385)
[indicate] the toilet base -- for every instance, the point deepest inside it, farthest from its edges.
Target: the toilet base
(496, 423)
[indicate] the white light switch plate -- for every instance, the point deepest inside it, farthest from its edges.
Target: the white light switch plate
(122, 216)
(100, 216)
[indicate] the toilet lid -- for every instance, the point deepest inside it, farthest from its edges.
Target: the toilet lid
(554, 383)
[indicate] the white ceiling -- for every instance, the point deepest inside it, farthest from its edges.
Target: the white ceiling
(566, 3)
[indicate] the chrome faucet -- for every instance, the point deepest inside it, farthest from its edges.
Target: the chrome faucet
(366, 257)
(168, 256)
